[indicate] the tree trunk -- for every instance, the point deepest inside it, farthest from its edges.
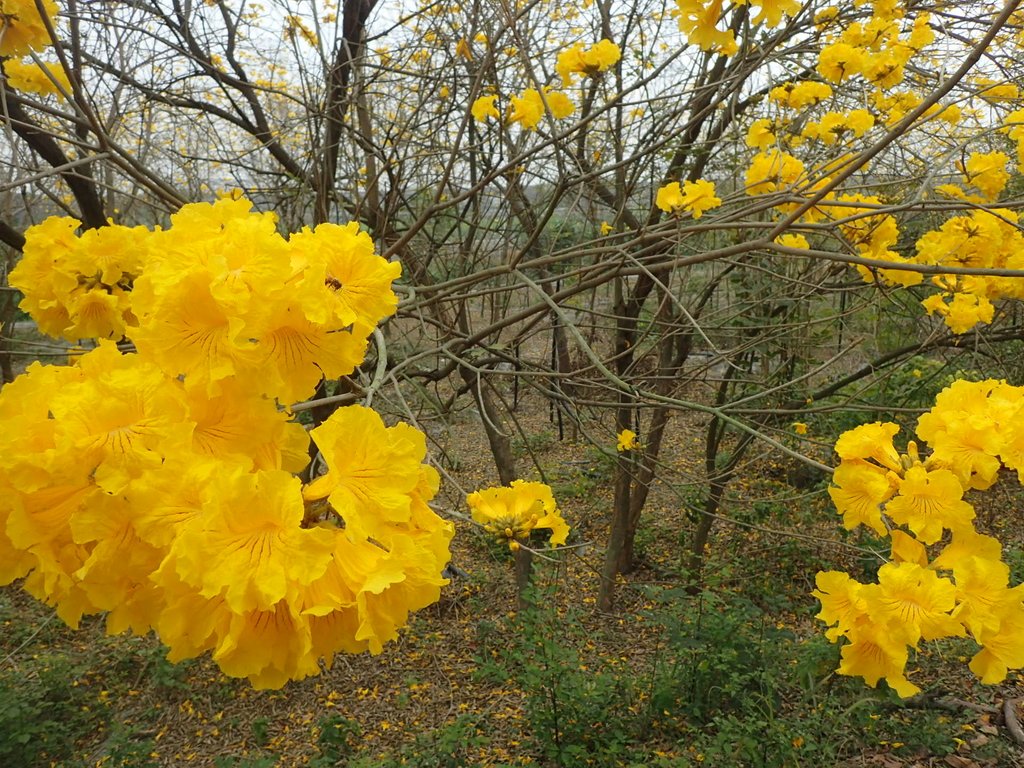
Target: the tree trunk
(490, 416)
(524, 575)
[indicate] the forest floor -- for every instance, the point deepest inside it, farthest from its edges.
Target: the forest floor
(739, 676)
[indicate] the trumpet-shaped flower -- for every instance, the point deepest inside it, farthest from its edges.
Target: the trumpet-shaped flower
(627, 441)
(510, 513)
(876, 654)
(841, 602)
(870, 441)
(42, 79)
(339, 265)
(839, 62)
(858, 492)
(24, 29)
(964, 433)
(914, 602)
(772, 171)
(693, 196)
(1002, 649)
(587, 61)
(930, 502)
(484, 108)
(987, 172)
(248, 544)
(372, 470)
(527, 109)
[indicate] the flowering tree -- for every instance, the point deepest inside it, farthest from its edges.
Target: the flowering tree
(641, 214)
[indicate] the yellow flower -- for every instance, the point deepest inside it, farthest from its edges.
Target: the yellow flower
(792, 240)
(839, 62)
(771, 171)
(560, 105)
(485, 107)
(669, 197)
(694, 196)
(870, 441)
(799, 427)
(296, 27)
(1001, 650)
(808, 93)
(627, 441)
(586, 61)
(930, 502)
(771, 11)
(606, 228)
(858, 492)
(875, 654)
(761, 134)
(372, 469)
(23, 27)
(987, 172)
(603, 55)
(841, 603)
(81, 287)
(527, 109)
(349, 280)
(41, 78)
(698, 21)
(511, 512)
(248, 545)
(994, 91)
(913, 602)
(964, 432)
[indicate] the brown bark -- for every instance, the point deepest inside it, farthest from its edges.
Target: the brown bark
(491, 418)
(524, 575)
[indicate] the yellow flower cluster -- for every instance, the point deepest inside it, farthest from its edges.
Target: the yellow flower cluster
(875, 49)
(981, 238)
(627, 441)
(800, 95)
(961, 586)
(160, 486)
(41, 79)
(694, 197)
(217, 294)
(80, 287)
(24, 30)
(578, 60)
(510, 513)
(529, 107)
(986, 172)
(699, 21)
(771, 171)
(833, 126)
(985, 238)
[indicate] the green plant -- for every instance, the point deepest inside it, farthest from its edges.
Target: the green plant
(337, 740)
(125, 749)
(42, 715)
(260, 731)
(574, 708)
(453, 745)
